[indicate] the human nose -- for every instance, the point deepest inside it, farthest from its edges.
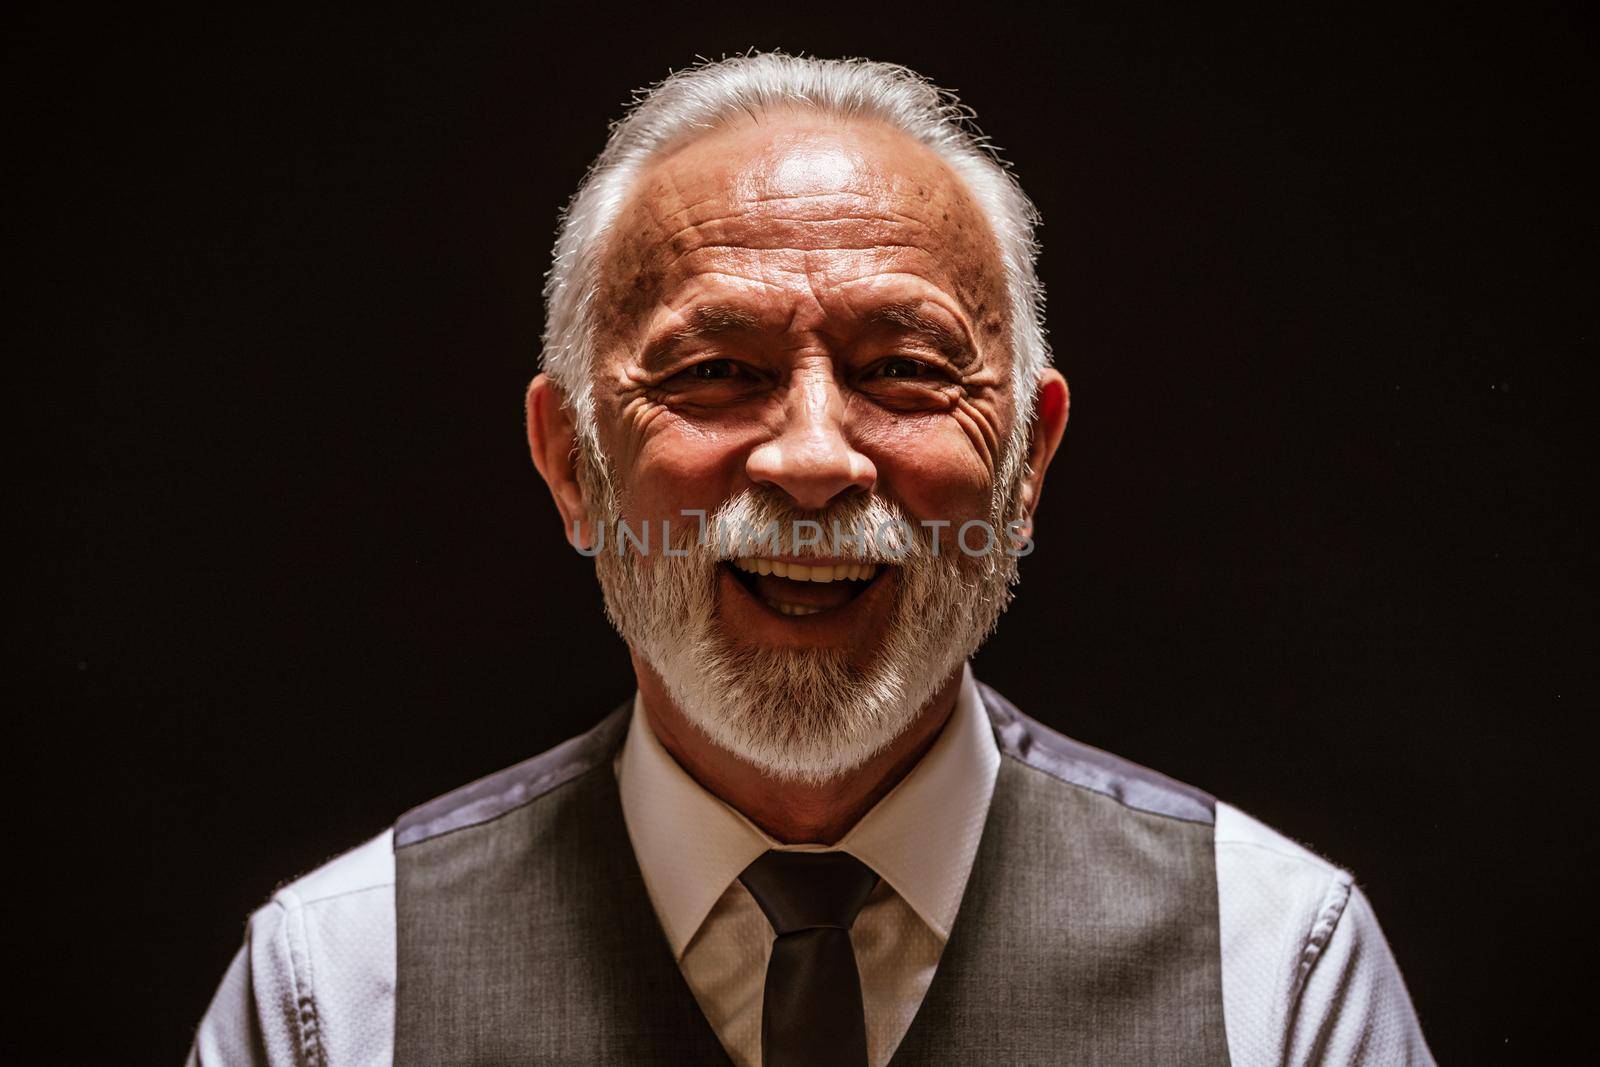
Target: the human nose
(810, 458)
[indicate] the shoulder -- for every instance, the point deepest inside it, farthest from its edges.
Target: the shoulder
(1258, 856)
(337, 922)
(506, 791)
(1032, 744)
(344, 906)
(1307, 974)
(315, 978)
(1280, 902)
(1306, 966)
(1282, 908)
(365, 868)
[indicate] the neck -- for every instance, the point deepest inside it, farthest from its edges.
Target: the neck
(788, 811)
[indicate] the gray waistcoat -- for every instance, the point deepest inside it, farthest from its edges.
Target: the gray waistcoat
(1088, 933)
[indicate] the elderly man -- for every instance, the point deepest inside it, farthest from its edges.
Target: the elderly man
(797, 406)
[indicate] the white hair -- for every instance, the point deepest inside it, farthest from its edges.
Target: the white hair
(702, 98)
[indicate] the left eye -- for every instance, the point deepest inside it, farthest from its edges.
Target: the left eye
(903, 369)
(713, 370)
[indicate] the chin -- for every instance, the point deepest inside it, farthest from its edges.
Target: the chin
(797, 713)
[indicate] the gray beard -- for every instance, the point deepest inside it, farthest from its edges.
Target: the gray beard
(802, 714)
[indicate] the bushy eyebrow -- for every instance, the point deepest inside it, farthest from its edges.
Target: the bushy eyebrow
(715, 320)
(952, 344)
(708, 320)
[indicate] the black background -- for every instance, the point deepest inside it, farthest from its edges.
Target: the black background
(1320, 283)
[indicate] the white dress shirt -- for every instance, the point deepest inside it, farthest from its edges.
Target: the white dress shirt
(920, 838)
(1307, 977)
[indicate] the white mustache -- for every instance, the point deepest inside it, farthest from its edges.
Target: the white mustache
(757, 521)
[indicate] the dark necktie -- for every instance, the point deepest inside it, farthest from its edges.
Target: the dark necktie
(811, 1012)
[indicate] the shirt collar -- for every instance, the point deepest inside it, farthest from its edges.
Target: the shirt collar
(921, 837)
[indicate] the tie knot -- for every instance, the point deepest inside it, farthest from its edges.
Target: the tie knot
(805, 890)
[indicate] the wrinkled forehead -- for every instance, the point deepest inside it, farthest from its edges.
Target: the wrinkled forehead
(804, 195)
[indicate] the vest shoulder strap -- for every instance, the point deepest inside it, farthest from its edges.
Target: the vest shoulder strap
(493, 796)
(1036, 745)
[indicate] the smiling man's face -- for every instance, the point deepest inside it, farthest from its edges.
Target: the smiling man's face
(805, 319)
(813, 308)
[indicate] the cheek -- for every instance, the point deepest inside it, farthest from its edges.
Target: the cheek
(932, 468)
(679, 466)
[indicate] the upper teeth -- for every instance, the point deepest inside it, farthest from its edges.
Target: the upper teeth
(800, 572)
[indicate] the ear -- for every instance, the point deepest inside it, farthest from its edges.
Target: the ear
(1050, 405)
(553, 439)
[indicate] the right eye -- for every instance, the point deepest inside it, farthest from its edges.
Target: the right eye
(712, 370)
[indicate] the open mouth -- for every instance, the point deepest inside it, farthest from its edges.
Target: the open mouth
(797, 589)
